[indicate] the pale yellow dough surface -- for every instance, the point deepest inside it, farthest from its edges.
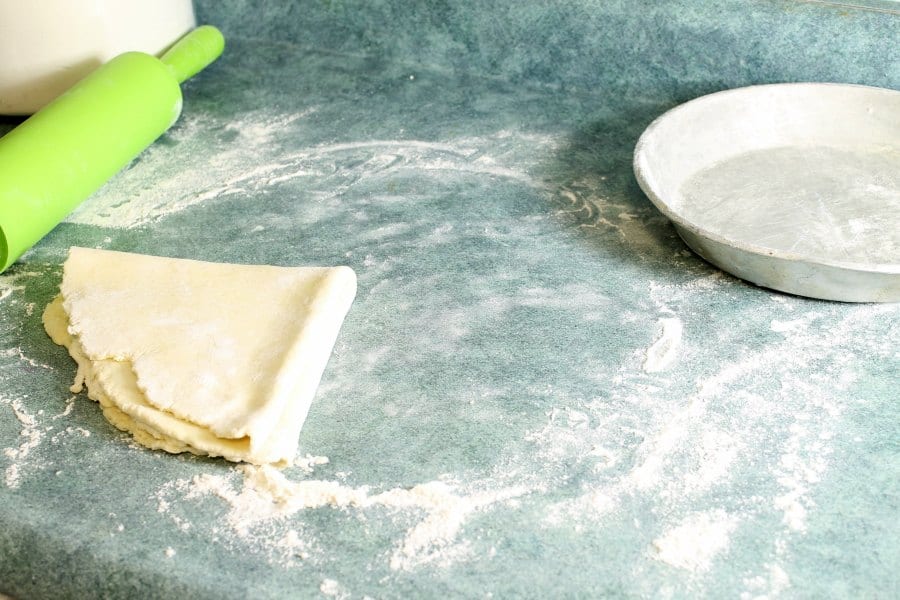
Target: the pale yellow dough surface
(210, 358)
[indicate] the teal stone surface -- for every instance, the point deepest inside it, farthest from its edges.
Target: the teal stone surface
(593, 410)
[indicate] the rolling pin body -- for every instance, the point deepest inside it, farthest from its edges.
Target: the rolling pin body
(69, 149)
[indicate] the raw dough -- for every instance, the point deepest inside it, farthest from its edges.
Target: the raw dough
(210, 358)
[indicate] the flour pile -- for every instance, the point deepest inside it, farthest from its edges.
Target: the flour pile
(260, 508)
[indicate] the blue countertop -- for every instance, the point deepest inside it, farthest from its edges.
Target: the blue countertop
(539, 391)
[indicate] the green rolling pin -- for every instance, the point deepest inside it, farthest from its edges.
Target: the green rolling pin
(65, 152)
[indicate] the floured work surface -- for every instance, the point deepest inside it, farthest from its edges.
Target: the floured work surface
(538, 391)
(190, 356)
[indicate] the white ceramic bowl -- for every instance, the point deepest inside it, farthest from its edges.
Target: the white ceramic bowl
(48, 45)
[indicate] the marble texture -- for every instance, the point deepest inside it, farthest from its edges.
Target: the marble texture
(592, 410)
(678, 48)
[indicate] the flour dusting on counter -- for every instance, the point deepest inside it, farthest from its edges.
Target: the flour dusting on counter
(664, 351)
(31, 436)
(260, 511)
(253, 157)
(695, 542)
(330, 587)
(35, 428)
(675, 442)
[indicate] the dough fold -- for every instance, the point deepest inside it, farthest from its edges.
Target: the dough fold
(210, 358)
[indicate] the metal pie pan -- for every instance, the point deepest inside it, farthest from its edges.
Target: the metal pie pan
(794, 187)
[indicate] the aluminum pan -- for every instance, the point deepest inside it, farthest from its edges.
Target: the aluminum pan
(794, 187)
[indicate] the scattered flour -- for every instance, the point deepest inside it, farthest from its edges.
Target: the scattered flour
(256, 158)
(11, 476)
(308, 463)
(7, 287)
(35, 428)
(330, 587)
(267, 497)
(770, 584)
(70, 406)
(673, 445)
(717, 451)
(11, 282)
(18, 352)
(30, 435)
(664, 351)
(695, 542)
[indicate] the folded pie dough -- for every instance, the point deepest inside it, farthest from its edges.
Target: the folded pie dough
(210, 358)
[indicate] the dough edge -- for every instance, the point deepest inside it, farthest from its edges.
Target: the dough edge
(146, 431)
